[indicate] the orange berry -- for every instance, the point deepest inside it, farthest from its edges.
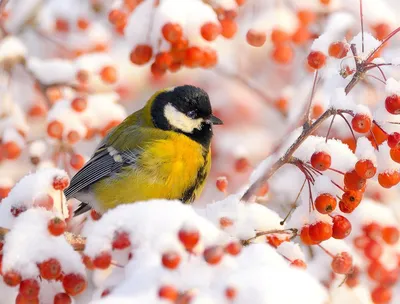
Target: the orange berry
(50, 269)
(12, 278)
(316, 59)
(171, 260)
(74, 284)
(325, 2)
(320, 231)
(316, 111)
(108, 74)
(37, 110)
(11, 150)
(282, 104)
(301, 35)
(390, 235)
(77, 161)
(79, 104)
(157, 71)
(381, 30)
(306, 16)
(228, 28)
(172, 32)
(325, 203)
(56, 226)
(338, 49)
(116, 16)
(393, 140)
(55, 129)
(255, 38)
(54, 94)
(282, 53)
(381, 294)
(62, 25)
(321, 160)
(361, 123)
(82, 76)
(365, 168)
(341, 227)
(73, 137)
(395, 154)
(163, 60)
(194, 56)
(305, 236)
(225, 222)
(102, 260)
(210, 31)
(342, 263)
(82, 23)
(388, 179)
(379, 136)
(141, 54)
(168, 292)
(279, 36)
(353, 181)
(210, 58)
(350, 201)
(222, 183)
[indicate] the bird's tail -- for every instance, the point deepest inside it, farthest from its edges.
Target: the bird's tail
(83, 207)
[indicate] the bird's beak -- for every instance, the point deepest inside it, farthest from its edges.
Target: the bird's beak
(215, 120)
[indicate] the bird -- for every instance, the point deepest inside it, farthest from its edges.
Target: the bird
(161, 151)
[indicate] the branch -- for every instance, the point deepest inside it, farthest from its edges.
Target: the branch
(292, 231)
(76, 241)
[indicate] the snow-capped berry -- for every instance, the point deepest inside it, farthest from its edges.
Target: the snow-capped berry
(171, 259)
(353, 181)
(12, 278)
(17, 210)
(299, 264)
(210, 31)
(55, 129)
(361, 123)
(56, 226)
(342, 263)
(393, 139)
(102, 260)
(50, 269)
(321, 160)
(325, 203)
(88, 262)
(392, 104)
(255, 38)
(316, 59)
(305, 236)
(168, 292)
(141, 54)
(172, 32)
(74, 284)
(29, 288)
(320, 231)
(365, 168)
(341, 227)
(213, 255)
(388, 179)
(189, 237)
(62, 298)
(373, 250)
(121, 240)
(390, 234)
(233, 248)
(350, 201)
(222, 183)
(60, 182)
(338, 49)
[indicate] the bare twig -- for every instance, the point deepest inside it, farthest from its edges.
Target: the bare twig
(76, 241)
(307, 118)
(362, 26)
(292, 231)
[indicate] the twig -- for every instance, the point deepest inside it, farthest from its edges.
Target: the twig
(292, 231)
(307, 118)
(362, 26)
(76, 241)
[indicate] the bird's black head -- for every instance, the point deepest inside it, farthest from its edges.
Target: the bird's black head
(185, 109)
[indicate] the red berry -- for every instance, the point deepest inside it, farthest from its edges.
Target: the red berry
(381, 295)
(225, 222)
(242, 164)
(11, 150)
(376, 271)
(60, 182)
(29, 288)
(365, 168)
(361, 241)
(56, 226)
(213, 255)
(121, 240)
(255, 38)
(79, 104)
(102, 260)
(50, 269)
(15, 211)
(390, 235)
(77, 161)
(95, 215)
(141, 54)
(305, 236)
(342, 263)
(350, 201)
(108, 74)
(233, 248)
(168, 292)
(320, 231)
(228, 28)
(163, 60)
(353, 277)
(321, 160)
(282, 53)
(325, 203)
(316, 59)
(395, 154)
(74, 284)
(62, 298)
(171, 259)
(393, 140)
(222, 183)
(341, 227)
(12, 278)
(338, 49)
(189, 237)
(105, 293)
(210, 31)
(392, 104)
(172, 32)
(388, 179)
(55, 129)
(230, 293)
(21, 299)
(88, 262)
(353, 181)
(279, 36)
(299, 264)
(373, 250)
(372, 230)
(361, 123)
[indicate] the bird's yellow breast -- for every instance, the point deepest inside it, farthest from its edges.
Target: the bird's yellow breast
(166, 168)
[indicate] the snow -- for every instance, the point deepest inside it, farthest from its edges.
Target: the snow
(370, 44)
(44, 70)
(392, 87)
(12, 48)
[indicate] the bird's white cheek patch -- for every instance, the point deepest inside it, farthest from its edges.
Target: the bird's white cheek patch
(180, 121)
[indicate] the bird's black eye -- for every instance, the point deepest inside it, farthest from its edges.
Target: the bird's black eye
(191, 114)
